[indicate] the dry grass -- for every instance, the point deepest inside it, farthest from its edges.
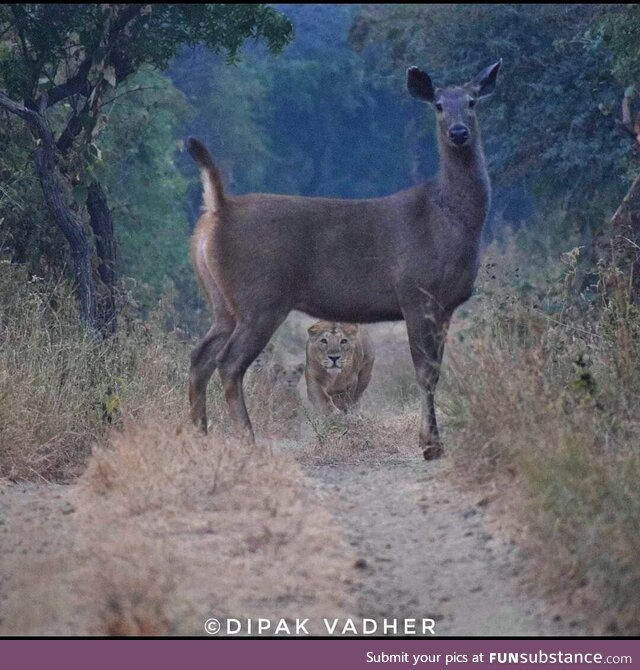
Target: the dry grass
(181, 528)
(541, 390)
(167, 529)
(356, 438)
(61, 391)
(393, 386)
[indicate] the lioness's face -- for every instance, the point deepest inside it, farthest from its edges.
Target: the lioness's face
(288, 375)
(334, 344)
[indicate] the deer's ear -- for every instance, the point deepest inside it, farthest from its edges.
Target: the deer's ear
(420, 85)
(484, 84)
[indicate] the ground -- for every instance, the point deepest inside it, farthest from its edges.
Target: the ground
(420, 547)
(165, 530)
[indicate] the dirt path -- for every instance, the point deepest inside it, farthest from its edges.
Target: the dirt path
(423, 548)
(38, 565)
(426, 551)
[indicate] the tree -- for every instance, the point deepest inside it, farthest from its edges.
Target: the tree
(310, 121)
(620, 30)
(61, 65)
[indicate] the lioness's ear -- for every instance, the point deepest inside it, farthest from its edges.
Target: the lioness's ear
(316, 329)
(269, 348)
(277, 368)
(300, 368)
(485, 83)
(420, 85)
(350, 329)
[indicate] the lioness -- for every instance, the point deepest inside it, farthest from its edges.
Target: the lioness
(339, 363)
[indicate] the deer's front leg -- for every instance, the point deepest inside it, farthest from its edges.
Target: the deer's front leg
(427, 329)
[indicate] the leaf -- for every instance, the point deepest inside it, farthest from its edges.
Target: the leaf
(97, 154)
(99, 126)
(109, 75)
(79, 194)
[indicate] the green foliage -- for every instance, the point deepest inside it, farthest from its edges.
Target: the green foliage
(25, 233)
(549, 128)
(134, 157)
(619, 28)
(44, 43)
(310, 121)
(114, 120)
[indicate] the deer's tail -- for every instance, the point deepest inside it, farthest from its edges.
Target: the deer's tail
(211, 181)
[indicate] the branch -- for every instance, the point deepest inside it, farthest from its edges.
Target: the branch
(32, 117)
(628, 130)
(53, 190)
(78, 84)
(626, 125)
(71, 131)
(128, 13)
(138, 89)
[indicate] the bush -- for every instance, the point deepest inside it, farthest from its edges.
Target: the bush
(62, 390)
(541, 391)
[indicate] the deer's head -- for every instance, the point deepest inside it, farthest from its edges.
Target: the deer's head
(454, 105)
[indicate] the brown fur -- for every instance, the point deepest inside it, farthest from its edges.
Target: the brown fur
(339, 363)
(413, 255)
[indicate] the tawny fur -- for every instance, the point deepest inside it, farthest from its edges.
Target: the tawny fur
(338, 366)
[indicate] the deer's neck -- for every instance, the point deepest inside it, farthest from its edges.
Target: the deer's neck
(464, 182)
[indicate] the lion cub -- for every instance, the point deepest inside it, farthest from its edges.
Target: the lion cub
(285, 403)
(340, 359)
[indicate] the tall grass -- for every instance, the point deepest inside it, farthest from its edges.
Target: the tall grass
(179, 528)
(62, 390)
(542, 393)
(539, 393)
(168, 528)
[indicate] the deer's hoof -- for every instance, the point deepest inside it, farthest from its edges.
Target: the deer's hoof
(432, 452)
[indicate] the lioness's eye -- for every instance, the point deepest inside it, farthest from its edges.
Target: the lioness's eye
(344, 341)
(324, 340)
(438, 106)
(472, 103)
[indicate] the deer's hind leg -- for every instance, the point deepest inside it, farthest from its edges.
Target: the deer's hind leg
(204, 356)
(248, 339)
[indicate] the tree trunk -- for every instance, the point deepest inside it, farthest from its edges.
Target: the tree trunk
(71, 227)
(625, 239)
(65, 219)
(102, 225)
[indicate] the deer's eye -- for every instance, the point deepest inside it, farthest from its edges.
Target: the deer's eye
(472, 103)
(439, 106)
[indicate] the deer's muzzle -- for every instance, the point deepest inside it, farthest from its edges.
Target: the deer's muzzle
(458, 134)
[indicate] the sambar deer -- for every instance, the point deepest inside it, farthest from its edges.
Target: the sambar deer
(412, 255)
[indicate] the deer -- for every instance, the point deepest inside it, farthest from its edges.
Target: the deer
(413, 255)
